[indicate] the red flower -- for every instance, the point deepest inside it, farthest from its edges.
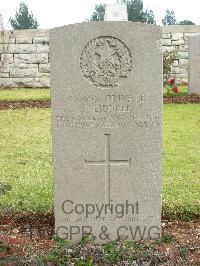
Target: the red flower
(175, 89)
(171, 81)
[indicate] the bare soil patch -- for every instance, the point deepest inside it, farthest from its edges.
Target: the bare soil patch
(182, 99)
(24, 104)
(180, 243)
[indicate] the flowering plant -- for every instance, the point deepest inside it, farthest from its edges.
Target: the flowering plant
(171, 86)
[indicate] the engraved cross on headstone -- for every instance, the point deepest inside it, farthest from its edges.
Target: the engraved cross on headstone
(107, 162)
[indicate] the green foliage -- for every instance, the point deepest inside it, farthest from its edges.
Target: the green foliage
(149, 17)
(61, 243)
(168, 58)
(114, 253)
(111, 253)
(183, 252)
(98, 14)
(165, 239)
(186, 22)
(23, 19)
(170, 18)
(135, 10)
(86, 239)
(57, 255)
(2, 249)
(130, 251)
(86, 262)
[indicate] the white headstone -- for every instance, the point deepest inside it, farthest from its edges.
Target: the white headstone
(116, 12)
(106, 114)
(194, 64)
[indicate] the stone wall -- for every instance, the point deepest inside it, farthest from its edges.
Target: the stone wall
(25, 59)
(25, 55)
(176, 38)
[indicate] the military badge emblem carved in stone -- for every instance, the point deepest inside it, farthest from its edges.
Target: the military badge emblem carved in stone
(105, 61)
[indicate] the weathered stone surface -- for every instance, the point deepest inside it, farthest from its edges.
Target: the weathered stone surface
(31, 33)
(27, 73)
(166, 35)
(168, 48)
(24, 83)
(4, 67)
(194, 64)
(41, 83)
(41, 37)
(24, 40)
(183, 55)
(107, 129)
(176, 63)
(24, 52)
(31, 58)
(19, 48)
(183, 62)
(190, 34)
(182, 78)
(23, 73)
(24, 66)
(15, 83)
(166, 42)
(178, 42)
(42, 75)
(40, 33)
(7, 58)
(7, 39)
(187, 37)
(181, 29)
(175, 70)
(45, 68)
(183, 70)
(4, 75)
(42, 48)
(183, 48)
(41, 40)
(23, 58)
(177, 36)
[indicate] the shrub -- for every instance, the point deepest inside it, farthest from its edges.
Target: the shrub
(168, 58)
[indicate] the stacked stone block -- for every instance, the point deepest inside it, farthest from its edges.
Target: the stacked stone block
(25, 59)
(175, 38)
(25, 55)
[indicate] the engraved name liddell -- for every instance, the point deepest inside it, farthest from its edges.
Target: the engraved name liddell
(107, 163)
(105, 61)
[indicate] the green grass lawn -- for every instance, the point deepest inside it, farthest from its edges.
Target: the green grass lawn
(24, 94)
(25, 159)
(44, 94)
(181, 157)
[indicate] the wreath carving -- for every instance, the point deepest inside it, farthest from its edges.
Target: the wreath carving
(105, 60)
